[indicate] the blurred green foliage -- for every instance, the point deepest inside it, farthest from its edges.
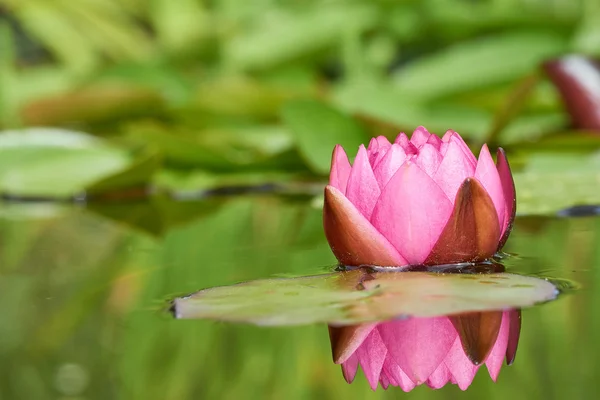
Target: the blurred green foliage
(195, 94)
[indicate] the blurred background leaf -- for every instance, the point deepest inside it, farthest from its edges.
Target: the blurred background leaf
(318, 128)
(226, 89)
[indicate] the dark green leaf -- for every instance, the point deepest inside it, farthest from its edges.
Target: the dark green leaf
(139, 173)
(318, 128)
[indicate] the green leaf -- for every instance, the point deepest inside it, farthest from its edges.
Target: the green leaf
(293, 34)
(552, 182)
(388, 104)
(53, 162)
(106, 101)
(335, 299)
(139, 173)
(196, 181)
(481, 62)
(8, 77)
(220, 149)
(318, 128)
(179, 149)
(527, 129)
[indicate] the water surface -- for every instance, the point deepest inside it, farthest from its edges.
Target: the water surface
(83, 292)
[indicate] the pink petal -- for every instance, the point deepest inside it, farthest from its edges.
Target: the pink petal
(396, 376)
(444, 148)
(420, 136)
(377, 148)
(435, 141)
(462, 369)
(373, 146)
(429, 159)
(440, 377)
(403, 141)
(372, 149)
(363, 189)
(447, 135)
(349, 368)
(514, 332)
(412, 212)
(353, 240)
(496, 358)
(510, 198)
(451, 136)
(385, 383)
(390, 369)
(372, 355)
(388, 166)
(453, 170)
(487, 174)
(340, 169)
(383, 141)
(418, 345)
(380, 155)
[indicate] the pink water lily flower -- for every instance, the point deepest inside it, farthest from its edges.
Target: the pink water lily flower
(420, 201)
(432, 351)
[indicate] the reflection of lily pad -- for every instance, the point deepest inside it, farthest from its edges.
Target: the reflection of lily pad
(358, 296)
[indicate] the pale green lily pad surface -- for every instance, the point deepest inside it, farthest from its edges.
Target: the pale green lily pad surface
(55, 162)
(549, 184)
(358, 296)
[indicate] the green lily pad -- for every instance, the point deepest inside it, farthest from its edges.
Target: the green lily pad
(359, 296)
(54, 162)
(552, 182)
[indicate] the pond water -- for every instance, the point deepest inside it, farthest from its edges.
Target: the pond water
(84, 290)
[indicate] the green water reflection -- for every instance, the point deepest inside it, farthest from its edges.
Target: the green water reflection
(82, 294)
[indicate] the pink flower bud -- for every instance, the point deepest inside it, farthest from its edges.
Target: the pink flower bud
(420, 201)
(578, 81)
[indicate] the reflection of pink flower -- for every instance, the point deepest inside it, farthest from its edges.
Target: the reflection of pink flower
(420, 201)
(434, 351)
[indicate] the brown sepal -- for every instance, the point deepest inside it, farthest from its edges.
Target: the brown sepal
(472, 232)
(478, 333)
(346, 339)
(353, 241)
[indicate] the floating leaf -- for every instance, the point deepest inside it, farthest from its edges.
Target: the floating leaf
(358, 296)
(318, 128)
(551, 181)
(54, 162)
